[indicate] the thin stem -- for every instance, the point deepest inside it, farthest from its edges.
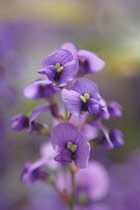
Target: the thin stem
(66, 115)
(72, 197)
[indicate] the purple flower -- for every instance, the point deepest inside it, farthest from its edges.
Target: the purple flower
(104, 139)
(47, 154)
(82, 96)
(116, 137)
(108, 139)
(115, 109)
(19, 122)
(103, 113)
(34, 126)
(112, 109)
(91, 184)
(71, 145)
(33, 172)
(60, 67)
(41, 88)
(89, 63)
(86, 129)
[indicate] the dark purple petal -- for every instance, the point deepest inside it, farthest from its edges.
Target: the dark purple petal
(93, 106)
(104, 140)
(41, 88)
(19, 122)
(35, 114)
(115, 109)
(71, 47)
(72, 101)
(61, 56)
(90, 63)
(83, 85)
(64, 156)
(69, 72)
(116, 137)
(50, 71)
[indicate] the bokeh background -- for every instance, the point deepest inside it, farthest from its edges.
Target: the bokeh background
(29, 31)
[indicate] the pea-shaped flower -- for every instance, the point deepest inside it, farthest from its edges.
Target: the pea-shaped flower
(82, 96)
(41, 88)
(70, 144)
(60, 67)
(89, 62)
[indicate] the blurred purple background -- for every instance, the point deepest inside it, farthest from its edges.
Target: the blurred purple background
(29, 31)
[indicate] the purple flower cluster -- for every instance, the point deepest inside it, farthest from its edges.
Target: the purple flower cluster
(75, 128)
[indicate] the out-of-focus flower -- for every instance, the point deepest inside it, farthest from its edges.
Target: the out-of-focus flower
(116, 137)
(93, 207)
(108, 139)
(103, 113)
(19, 122)
(111, 109)
(35, 126)
(71, 145)
(125, 183)
(114, 109)
(91, 184)
(89, 62)
(41, 88)
(82, 96)
(86, 129)
(35, 171)
(60, 67)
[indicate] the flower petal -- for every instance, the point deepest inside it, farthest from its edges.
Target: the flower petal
(93, 106)
(83, 85)
(94, 179)
(35, 114)
(105, 141)
(19, 122)
(72, 101)
(41, 88)
(94, 63)
(61, 56)
(83, 151)
(50, 71)
(69, 72)
(48, 153)
(61, 134)
(71, 47)
(65, 132)
(64, 156)
(116, 137)
(115, 109)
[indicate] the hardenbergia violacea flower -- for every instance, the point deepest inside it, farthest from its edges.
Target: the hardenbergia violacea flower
(74, 130)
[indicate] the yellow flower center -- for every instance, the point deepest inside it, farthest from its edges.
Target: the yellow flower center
(59, 67)
(71, 146)
(84, 97)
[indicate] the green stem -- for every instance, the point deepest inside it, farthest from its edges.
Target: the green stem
(66, 115)
(72, 197)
